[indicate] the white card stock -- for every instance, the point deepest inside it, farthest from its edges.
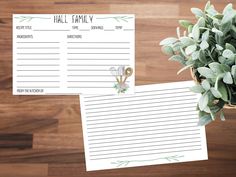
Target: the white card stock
(156, 125)
(73, 53)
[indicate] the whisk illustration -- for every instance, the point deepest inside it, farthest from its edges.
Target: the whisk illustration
(121, 74)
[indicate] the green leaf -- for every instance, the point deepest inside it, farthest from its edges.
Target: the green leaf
(205, 35)
(168, 41)
(219, 47)
(215, 92)
(201, 22)
(167, 50)
(211, 11)
(218, 32)
(186, 41)
(203, 101)
(195, 55)
(190, 28)
(226, 27)
(204, 120)
(206, 85)
(197, 89)
(206, 72)
(207, 109)
(198, 12)
(185, 23)
(184, 68)
(223, 90)
(202, 56)
(225, 68)
(230, 47)
(204, 45)
(229, 14)
(228, 8)
(190, 49)
(216, 67)
(177, 58)
(233, 72)
(196, 32)
(221, 59)
(222, 116)
(228, 53)
(228, 78)
(208, 4)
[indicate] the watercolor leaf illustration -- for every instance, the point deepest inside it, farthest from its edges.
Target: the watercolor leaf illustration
(117, 18)
(29, 18)
(124, 163)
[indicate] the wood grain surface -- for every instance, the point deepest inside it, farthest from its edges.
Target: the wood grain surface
(41, 136)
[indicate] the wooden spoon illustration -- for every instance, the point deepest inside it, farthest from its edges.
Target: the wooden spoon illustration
(128, 73)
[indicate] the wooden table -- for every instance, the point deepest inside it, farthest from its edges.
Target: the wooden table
(41, 136)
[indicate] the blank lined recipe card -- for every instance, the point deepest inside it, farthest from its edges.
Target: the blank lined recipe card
(73, 53)
(156, 125)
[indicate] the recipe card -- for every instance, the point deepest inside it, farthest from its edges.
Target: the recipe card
(156, 125)
(73, 53)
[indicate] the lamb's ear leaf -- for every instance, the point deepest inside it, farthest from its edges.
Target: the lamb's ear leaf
(223, 90)
(185, 23)
(203, 101)
(206, 72)
(204, 120)
(197, 89)
(168, 41)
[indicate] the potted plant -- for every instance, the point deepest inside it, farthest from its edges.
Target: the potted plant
(208, 49)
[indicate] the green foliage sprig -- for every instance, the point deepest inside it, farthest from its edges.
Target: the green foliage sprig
(208, 48)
